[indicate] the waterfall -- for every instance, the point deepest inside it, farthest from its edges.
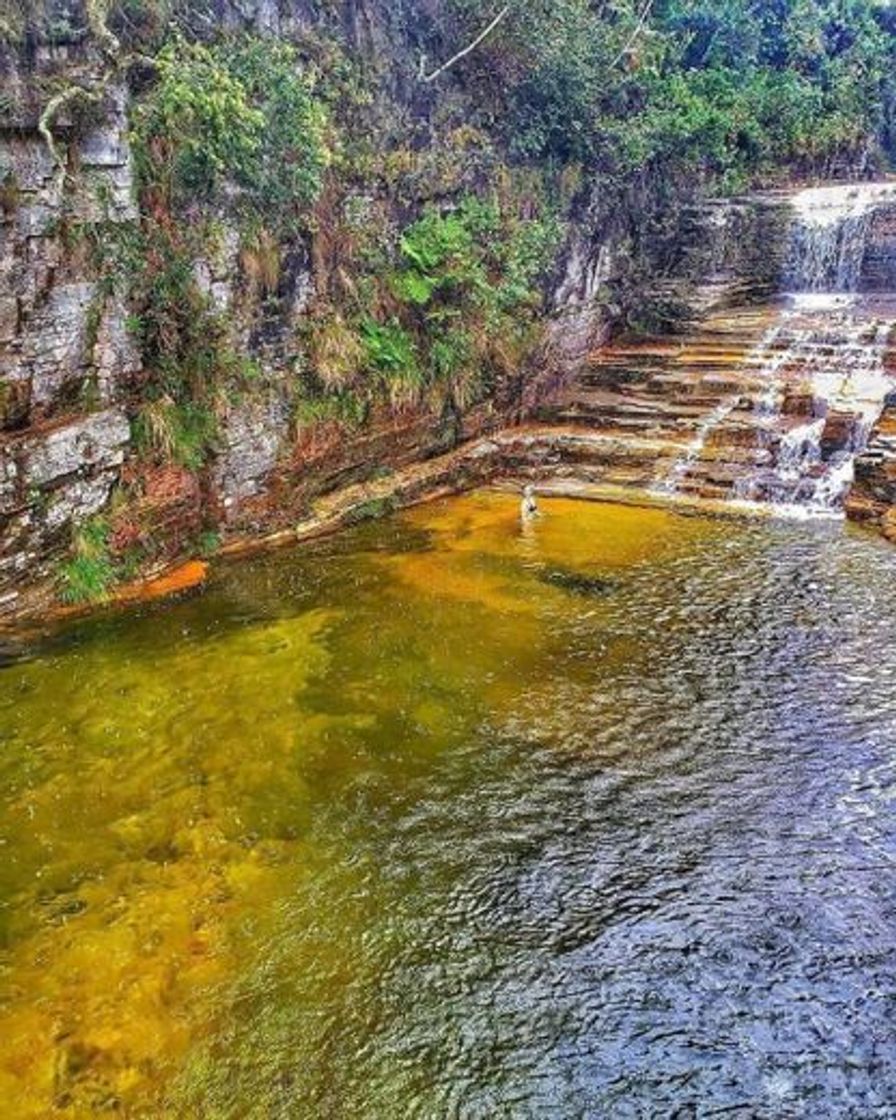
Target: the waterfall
(815, 383)
(832, 349)
(830, 234)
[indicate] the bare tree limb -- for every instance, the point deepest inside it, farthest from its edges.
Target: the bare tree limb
(630, 42)
(470, 47)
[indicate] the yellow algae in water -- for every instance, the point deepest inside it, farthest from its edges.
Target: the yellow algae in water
(572, 532)
(456, 577)
(162, 809)
(140, 869)
(484, 558)
(112, 999)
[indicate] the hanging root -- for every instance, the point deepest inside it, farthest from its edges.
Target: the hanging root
(97, 12)
(45, 125)
(109, 44)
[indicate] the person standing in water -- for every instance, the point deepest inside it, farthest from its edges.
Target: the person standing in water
(529, 505)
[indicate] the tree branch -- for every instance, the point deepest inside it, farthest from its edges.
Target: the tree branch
(471, 47)
(639, 27)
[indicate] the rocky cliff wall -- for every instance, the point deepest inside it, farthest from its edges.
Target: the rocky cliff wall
(82, 380)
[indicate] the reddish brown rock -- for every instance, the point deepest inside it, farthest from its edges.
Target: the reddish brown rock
(839, 433)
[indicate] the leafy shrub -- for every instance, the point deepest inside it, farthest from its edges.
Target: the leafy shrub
(89, 573)
(390, 351)
(198, 126)
(287, 167)
(239, 111)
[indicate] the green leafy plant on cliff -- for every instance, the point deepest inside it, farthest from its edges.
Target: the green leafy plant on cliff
(181, 340)
(188, 361)
(89, 572)
(391, 354)
(285, 174)
(444, 308)
(240, 112)
(233, 128)
(469, 283)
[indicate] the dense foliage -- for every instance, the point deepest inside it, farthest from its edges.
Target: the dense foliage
(444, 309)
(734, 90)
(241, 112)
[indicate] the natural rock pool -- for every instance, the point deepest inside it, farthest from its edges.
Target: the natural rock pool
(444, 818)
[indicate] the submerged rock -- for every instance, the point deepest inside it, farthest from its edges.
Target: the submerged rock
(577, 582)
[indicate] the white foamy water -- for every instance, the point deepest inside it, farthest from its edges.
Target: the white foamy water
(830, 235)
(831, 348)
(832, 355)
(694, 449)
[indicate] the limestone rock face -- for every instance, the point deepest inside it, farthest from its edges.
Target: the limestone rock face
(94, 443)
(879, 263)
(705, 257)
(254, 435)
(65, 353)
(50, 480)
(58, 326)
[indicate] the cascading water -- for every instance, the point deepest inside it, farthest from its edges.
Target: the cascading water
(832, 350)
(820, 366)
(693, 451)
(829, 236)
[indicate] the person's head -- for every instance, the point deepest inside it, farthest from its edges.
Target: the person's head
(528, 490)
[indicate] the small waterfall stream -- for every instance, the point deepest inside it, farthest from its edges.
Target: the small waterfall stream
(694, 449)
(829, 235)
(821, 365)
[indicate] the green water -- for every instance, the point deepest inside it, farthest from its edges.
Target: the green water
(264, 849)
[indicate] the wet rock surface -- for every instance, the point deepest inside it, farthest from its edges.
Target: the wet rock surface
(873, 495)
(51, 480)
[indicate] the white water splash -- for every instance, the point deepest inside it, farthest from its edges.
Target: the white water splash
(835, 358)
(830, 235)
(764, 355)
(820, 366)
(831, 348)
